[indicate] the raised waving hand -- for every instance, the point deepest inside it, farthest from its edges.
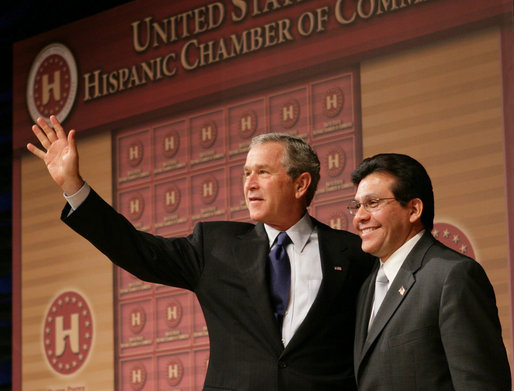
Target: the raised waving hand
(60, 154)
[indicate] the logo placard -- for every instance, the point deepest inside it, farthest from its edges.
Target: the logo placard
(68, 333)
(52, 83)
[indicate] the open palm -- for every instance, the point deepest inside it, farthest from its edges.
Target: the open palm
(61, 156)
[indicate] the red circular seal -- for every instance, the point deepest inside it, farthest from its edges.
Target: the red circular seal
(52, 83)
(208, 134)
(290, 113)
(454, 238)
(175, 371)
(68, 333)
(137, 319)
(247, 124)
(335, 160)
(171, 144)
(138, 376)
(173, 313)
(333, 102)
(171, 198)
(135, 152)
(209, 190)
(135, 207)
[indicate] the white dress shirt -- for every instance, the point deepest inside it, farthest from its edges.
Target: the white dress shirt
(395, 261)
(306, 273)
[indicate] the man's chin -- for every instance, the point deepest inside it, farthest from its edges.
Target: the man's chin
(254, 216)
(368, 248)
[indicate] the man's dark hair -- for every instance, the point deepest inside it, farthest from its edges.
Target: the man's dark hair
(412, 181)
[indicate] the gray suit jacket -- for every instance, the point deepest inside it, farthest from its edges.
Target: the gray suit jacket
(224, 264)
(437, 328)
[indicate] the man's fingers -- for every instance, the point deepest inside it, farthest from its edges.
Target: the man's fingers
(50, 134)
(57, 127)
(36, 151)
(42, 137)
(71, 139)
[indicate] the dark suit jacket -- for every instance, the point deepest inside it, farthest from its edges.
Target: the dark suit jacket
(224, 264)
(437, 328)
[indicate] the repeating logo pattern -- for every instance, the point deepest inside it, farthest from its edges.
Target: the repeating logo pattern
(186, 169)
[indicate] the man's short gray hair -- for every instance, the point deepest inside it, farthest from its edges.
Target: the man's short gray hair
(299, 157)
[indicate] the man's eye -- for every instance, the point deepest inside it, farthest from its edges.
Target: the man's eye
(372, 203)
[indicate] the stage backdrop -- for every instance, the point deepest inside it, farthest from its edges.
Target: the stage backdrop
(166, 97)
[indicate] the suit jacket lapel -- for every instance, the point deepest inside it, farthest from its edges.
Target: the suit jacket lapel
(364, 303)
(398, 290)
(334, 266)
(251, 251)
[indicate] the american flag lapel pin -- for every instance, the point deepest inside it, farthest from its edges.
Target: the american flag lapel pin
(401, 291)
(338, 268)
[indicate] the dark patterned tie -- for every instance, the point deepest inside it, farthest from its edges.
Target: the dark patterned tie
(280, 277)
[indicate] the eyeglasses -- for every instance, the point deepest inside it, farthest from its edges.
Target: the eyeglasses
(370, 206)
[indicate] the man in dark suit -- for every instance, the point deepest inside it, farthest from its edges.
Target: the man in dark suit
(259, 339)
(437, 327)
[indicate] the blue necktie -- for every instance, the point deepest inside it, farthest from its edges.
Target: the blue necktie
(280, 277)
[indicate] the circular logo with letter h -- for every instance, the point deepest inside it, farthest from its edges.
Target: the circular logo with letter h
(52, 83)
(68, 333)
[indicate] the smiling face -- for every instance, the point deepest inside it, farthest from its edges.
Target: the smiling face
(271, 195)
(389, 226)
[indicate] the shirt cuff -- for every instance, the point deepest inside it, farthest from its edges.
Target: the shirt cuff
(75, 200)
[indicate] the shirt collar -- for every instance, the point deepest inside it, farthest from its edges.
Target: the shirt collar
(395, 261)
(298, 233)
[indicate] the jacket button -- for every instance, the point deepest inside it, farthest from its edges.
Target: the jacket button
(282, 364)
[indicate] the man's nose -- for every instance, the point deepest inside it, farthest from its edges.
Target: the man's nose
(251, 181)
(361, 214)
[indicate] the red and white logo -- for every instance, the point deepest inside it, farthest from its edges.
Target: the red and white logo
(335, 161)
(171, 144)
(171, 198)
(137, 320)
(209, 189)
(333, 102)
(290, 113)
(135, 207)
(135, 153)
(173, 313)
(52, 83)
(137, 377)
(175, 371)
(208, 134)
(247, 124)
(68, 333)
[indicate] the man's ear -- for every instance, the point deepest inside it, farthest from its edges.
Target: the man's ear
(301, 184)
(416, 209)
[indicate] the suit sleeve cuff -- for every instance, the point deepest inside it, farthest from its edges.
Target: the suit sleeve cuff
(76, 199)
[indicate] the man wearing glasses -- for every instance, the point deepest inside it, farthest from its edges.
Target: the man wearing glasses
(427, 316)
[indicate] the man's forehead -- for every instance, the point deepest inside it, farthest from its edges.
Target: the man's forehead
(367, 196)
(375, 184)
(255, 165)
